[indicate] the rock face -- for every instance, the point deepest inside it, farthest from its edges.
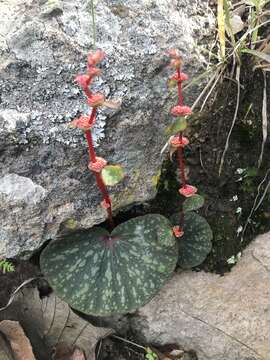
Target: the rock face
(43, 45)
(222, 318)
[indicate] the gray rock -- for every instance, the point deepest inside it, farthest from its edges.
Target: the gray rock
(43, 45)
(220, 317)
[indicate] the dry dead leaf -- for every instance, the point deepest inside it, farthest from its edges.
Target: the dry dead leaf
(5, 351)
(20, 344)
(49, 321)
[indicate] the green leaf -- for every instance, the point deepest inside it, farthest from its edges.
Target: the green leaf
(196, 243)
(112, 174)
(101, 273)
(179, 125)
(194, 202)
(6, 266)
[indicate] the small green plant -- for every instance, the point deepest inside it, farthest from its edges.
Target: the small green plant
(103, 272)
(192, 231)
(6, 266)
(150, 354)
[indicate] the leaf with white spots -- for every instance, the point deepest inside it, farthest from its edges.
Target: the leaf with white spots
(101, 273)
(192, 203)
(196, 243)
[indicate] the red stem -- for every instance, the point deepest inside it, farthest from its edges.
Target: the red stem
(180, 150)
(179, 83)
(102, 187)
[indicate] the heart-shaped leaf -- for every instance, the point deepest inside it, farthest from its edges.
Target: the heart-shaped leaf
(194, 202)
(101, 273)
(196, 243)
(112, 174)
(180, 124)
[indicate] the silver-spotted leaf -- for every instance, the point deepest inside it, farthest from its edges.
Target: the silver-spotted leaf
(196, 243)
(192, 203)
(112, 174)
(180, 124)
(100, 273)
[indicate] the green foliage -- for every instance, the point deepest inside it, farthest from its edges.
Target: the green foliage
(150, 354)
(6, 266)
(103, 273)
(180, 124)
(192, 203)
(196, 243)
(112, 174)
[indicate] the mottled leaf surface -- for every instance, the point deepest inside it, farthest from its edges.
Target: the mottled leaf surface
(196, 243)
(101, 273)
(194, 202)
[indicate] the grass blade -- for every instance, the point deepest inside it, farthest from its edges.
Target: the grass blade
(264, 121)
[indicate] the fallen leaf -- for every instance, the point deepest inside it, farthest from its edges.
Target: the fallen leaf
(5, 351)
(19, 343)
(49, 322)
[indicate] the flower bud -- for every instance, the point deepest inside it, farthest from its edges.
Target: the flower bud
(93, 71)
(176, 141)
(96, 57)
(83, 122)
(105, 204)
(178, 232)
(83, 80)
(97, 165)
(181, 110)
(188, 190)
(96, 100)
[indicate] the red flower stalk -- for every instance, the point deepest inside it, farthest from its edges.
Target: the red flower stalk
(179, 140)
(85, 122)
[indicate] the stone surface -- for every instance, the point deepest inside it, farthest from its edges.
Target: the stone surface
(43, 45)
(220, 317)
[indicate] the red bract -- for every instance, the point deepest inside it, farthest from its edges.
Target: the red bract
(93, 71)
(97, 165)
(83, 122)
(188, 190)
(177, 141)
(181, 110)
(104, 204)
(96, 57)
(176, 63)
(96, 100)
(178, 231)
(83, 80)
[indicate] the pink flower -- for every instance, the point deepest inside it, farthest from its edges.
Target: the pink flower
(173, 53)
(83, 80)
(83, 122)
(188, 190)
(178, 232)
(105, 204)
(96, 57)
(96, 100)
(179, 142)
(93, 71)
(98, 165)
(181, 110)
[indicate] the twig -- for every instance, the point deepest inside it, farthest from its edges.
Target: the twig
(264, 121)
(16, 291)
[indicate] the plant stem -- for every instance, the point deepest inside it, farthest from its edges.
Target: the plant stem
(179, 83)
(180, 150)
(100, 183)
